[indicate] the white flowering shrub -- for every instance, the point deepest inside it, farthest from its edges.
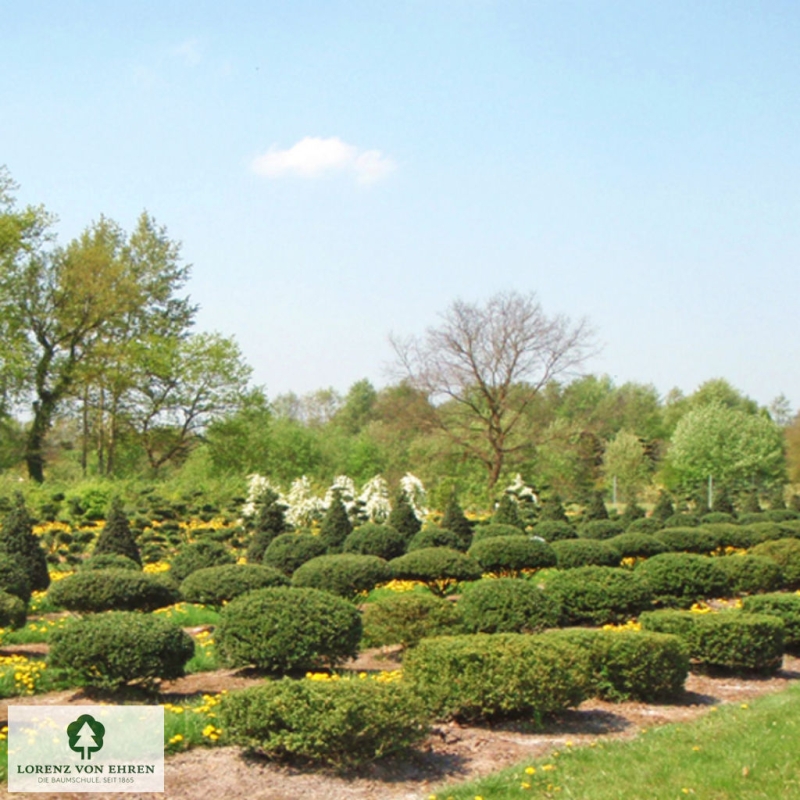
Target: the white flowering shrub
(257, 487)
(416, 494)
(304, 507)
(347, 492)
(521, 491)
(374, 499)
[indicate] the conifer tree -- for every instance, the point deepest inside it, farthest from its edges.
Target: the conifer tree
(17, 539)
(270, 523)
(552, 509)
(336, 525)
(507, 513)
(750, 504)
(596, 508)
(776, 499)
(632, 511)
(664, 508)
(116, 536)
(455, 521)
(402, 517)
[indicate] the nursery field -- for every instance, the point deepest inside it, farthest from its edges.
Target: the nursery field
(344, 647)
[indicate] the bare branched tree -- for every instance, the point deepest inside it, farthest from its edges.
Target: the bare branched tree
(485, 364)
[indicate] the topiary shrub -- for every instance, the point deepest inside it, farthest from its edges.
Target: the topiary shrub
(288, 629)
(13, 577)
(436, 537)
(455, 521)
(770, 531)
(664, 508)
(486, 676)
(681, 521)
(507, 513)
(402, 517)
(336, 525)
(729, 535)
(600, 529)
(751, 574)
(780, 515)
(644, 525)
(552, 509)
(406, 617)
(572, 553)
(553, 530)
(289, 551)
(751, 518)
(437, 567)
(269, 523)
(371, 539)
(343, 722)
(110, 650)
(13, 611)
(490, 531)
(783, 605)
(680, 579)
(215, 586)
(344, 574)
(599, 595)
(596, 510)
(634, 665)
(715, 517)
(688, 540)
(637, 545)
(111, 590)
(200, 555)
(730, 639)
(109, 561)
(786, 554)
(506, 605)
(510, 555)
(116, 537)
(17, 540)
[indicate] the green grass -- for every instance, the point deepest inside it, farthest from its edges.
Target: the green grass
(35, 631)
(740, 752)
(192, 724)
(189, 615)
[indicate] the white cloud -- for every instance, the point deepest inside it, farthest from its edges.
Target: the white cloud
(189, 51)
(314, 157)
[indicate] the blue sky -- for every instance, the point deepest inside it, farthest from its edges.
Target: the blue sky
(337, 171)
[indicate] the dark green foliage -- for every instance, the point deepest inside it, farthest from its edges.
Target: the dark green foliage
(288, 629)
(340, 723)
(507, 513)
(716, 517)
(751, 574)
(437, 567)
(406, 617)
(731, 640)
(794, 502)
(664, 508)
(680, 579)
(572, 553)
(790, 529)
(752, 518)
(455, 521)
(402, 517)
(777, 501)
(112, 590)
(110, 650)
(552, 509)
(116, 537)
(554, 531)
(599, 595)
(289, 551)
(780, 515)
(336, 525)
(370, 539)
(786, 554)
(110, 561)
(199, 555)
(730, 535)
(214, 586)
(600, 529)
(688, 540)
(507, 605)
(510, 555)
(637, 545)
(486, 676)
(644, 525)
(13, 611)
(344, 574)
(634, 665)
(14, 578)
(270, 522)
(681, 521)
(17, 539)
(722, 503)
(632, 512)
(750, 504)
(785, 606)
(769, 531)
(436, 537)
(596, 510)
(488, 531)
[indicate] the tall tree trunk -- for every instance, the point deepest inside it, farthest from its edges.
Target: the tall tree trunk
(85, 441)
(34, 446)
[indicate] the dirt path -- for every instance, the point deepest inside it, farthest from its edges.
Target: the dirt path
(451, 753)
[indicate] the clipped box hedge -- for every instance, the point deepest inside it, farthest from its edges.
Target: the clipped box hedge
(112, 590)
(572, 553)
(500, 675)
(406, 617)
(507, 605)
(680, 579)
(214, 586)
(783, 605)
(344, 574)
(510, 555)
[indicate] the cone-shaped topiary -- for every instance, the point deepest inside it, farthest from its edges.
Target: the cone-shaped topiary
(269, 524)
(116, 538)
(507, 513)
(750, 505)
(664, 508)
(552, 509)
(722, 502)
(777, 501)
(336, 525)
(632, 511)
(402, 517)
(17, 539)
(455, 521)
(596, 508)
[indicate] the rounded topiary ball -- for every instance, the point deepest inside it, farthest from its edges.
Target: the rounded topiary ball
(512, 554)
(110, 561)
(288, 629)
(289, 551)
(112, 590)
(215, 586)
(198, 555)
(507, 605)
(371, 539)
(344, 574)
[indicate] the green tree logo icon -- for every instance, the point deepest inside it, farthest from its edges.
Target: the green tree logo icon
(86, 735)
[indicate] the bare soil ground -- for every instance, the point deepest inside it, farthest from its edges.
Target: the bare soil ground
(451, 753)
